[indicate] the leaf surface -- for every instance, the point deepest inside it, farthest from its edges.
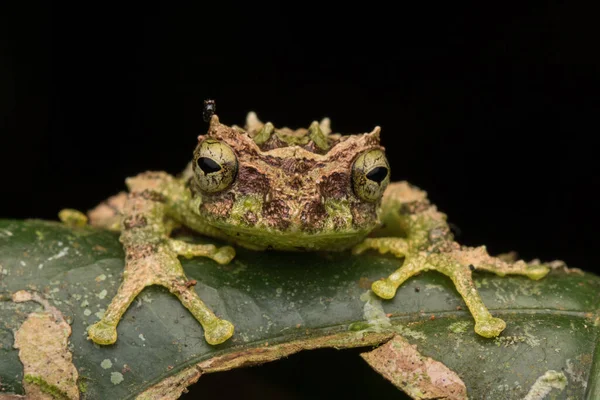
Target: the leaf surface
(281, 303)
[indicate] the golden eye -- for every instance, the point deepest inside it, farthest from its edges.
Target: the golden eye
(370, 175)
(215, 166)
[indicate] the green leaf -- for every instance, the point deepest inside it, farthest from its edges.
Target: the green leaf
(282, 303)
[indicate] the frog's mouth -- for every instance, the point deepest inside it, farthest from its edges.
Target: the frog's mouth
(291, 240)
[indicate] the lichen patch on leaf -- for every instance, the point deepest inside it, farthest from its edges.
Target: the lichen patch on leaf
(43, 341)
(545, 383)
(116, 378)
(419, 376)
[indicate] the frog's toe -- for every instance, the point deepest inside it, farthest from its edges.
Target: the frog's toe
(218, 332)
(103, 333)
(384, 289)
(490, 328)
(537, 272)
(73, 218)
(360, 248)
(224, 255)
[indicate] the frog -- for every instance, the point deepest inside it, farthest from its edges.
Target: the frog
(265, 188)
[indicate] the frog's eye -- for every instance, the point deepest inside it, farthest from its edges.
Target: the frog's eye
(216, 166)
(370, 175)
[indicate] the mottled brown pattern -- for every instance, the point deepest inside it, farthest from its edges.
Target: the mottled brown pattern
(290, 176)
(349, 148)
(139, 251)
(273, 143)
(218, 206)
(275, 162)
(313, 216)
(252, 181)
(250, 218)
(439, 234)
(149, 194)
(134, 221)
(336, 185)
(152, 175)
(277, 214)
(296, 182)
(108, 214)
(339, 222)
(362, 214)
(313, 148)
(297, 165)
(419, 376)
(414, 207)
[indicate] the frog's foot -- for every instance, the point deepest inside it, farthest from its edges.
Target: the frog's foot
(222, 255)
(160, 268)
(216, 330)
(397, 246)
(458, 265)
(108, 214)
(481, 260)
(386, 288)
(103, 333)
(72, 217)
(489, 327)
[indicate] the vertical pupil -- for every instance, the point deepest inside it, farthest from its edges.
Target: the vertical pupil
(208, 165)
(377, 174)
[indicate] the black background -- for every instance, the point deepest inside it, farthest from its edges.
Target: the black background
(493, 111)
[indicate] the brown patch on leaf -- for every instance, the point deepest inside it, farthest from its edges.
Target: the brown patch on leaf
(365, 283)
(260, 355)
(43, 341)
(173, 387)
(419, 376)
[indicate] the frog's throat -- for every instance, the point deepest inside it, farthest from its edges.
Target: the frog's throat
(291, 240)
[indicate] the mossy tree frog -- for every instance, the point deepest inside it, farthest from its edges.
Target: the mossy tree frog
(261, 187)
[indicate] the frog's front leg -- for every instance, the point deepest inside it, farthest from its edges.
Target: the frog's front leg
(151, 259)
(428, 245)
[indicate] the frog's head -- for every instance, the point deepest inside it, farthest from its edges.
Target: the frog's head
(289, 189)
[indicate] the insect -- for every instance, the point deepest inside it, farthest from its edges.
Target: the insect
(210, 108)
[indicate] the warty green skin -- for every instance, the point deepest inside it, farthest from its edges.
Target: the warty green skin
(260, 205)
